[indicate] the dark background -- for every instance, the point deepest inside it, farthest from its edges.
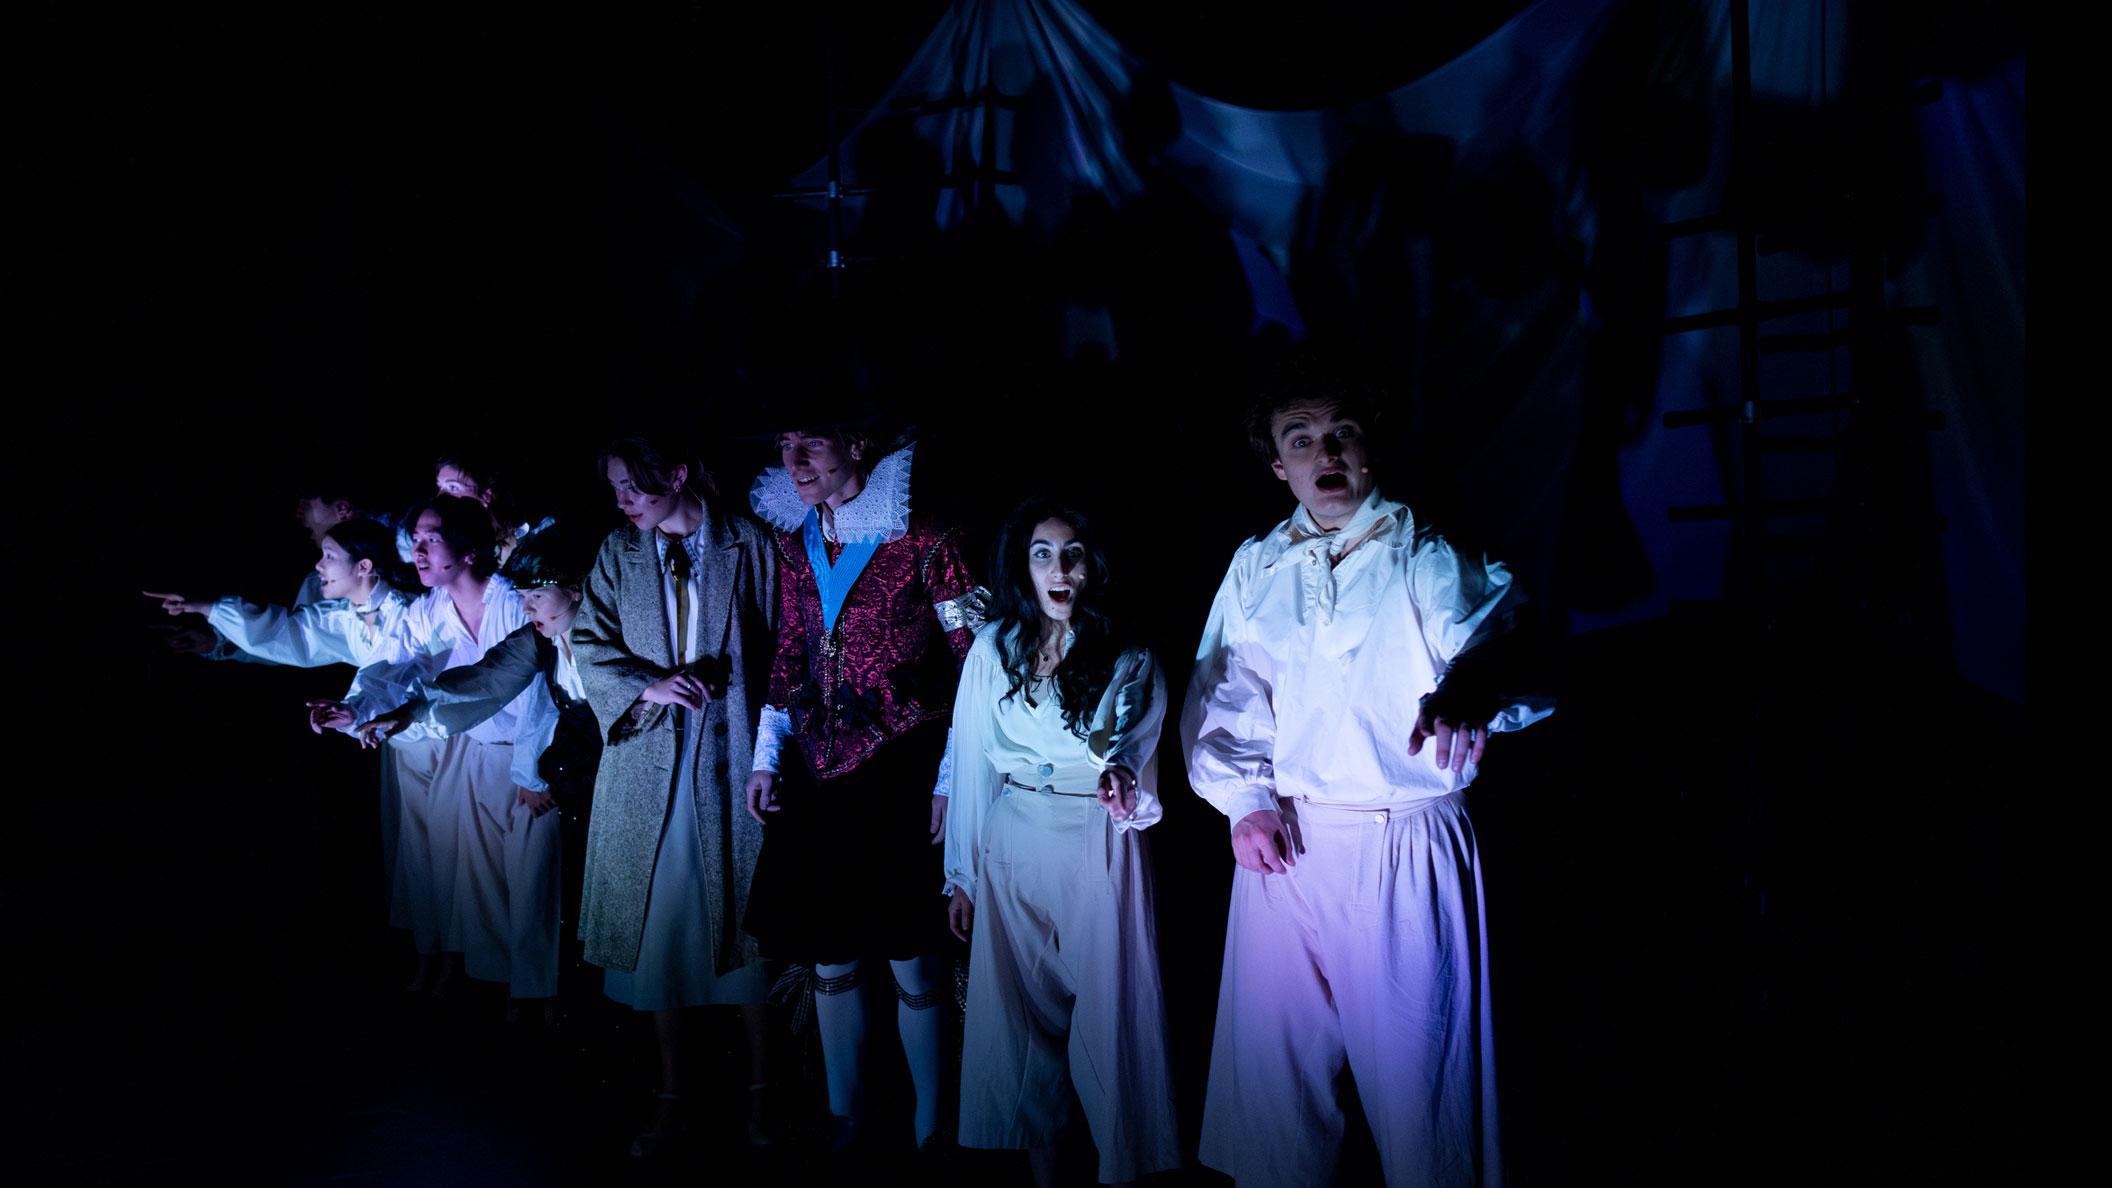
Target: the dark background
(1746, 897)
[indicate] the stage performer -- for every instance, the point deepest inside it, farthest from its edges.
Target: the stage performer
(1343, 694)
(674, 640)
(457, 796)
(875, 613)
(556, 747)
(1053, 776)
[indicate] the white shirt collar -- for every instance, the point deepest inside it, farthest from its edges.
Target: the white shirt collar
(384, 595)
(691, 544)
(1375, 516)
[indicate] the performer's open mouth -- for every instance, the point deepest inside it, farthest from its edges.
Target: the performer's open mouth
(1060, 595)
(1333, 480)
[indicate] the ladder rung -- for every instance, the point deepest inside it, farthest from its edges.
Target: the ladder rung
(812, 194)
(1790, 406)
(1794, 406)
(1799, 443)
(1780, 508)
(1824, 340)
(1700, 226)
(1905, 315)
(1767, 309)
(1771, 509)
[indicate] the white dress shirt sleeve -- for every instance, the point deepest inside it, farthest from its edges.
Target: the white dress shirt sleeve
(1462, 602)
(392, 674)
(533, 732)
(303, 637)
(1229, 723)
(1138, 693)
(976, 784)
(771, 731)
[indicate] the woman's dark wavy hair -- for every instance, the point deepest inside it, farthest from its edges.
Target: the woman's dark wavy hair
(1090, 664)
(363, 539)
(466, 527)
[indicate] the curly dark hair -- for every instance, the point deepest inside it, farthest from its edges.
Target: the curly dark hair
(1311, 378)
(1015, 609)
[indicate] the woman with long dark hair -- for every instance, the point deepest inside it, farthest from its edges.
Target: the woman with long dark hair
(1054, 773)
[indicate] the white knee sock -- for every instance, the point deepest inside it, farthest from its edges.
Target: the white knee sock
(918, 1014)
(839, 1010)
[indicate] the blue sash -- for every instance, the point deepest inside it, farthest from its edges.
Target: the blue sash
(834, 581)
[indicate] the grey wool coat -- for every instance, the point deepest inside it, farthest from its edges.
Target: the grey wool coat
(621, 642)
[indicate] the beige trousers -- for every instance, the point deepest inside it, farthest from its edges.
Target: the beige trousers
(506, 875)
(422, 879)
(1369, 956)
(1064, 981)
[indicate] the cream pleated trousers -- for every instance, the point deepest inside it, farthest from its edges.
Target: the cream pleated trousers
(1063, 979)
(422, 877)
(1371, 953)
(391, 801)
(506, 874)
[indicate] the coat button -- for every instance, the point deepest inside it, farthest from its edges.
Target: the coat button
(720, 768)
(719, 728)
(1049, 788)
(1048, 769)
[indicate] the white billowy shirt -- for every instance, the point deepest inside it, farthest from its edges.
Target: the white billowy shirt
(431, 638)
(311, 634)
(1319, 650)
(224, 648)
(317, 633)
(1000, 742)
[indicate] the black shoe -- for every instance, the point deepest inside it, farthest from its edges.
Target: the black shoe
(666, 1132)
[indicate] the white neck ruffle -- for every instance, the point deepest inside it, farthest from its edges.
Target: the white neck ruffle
(880, 512)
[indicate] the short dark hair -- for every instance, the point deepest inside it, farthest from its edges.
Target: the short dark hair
(551, 554)
(475, 467)
(466, 527)
(1310, 381)
(651, 458)
(330, 487)
(365, 539)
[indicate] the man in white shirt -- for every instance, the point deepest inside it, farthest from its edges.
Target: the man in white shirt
(1335, 717)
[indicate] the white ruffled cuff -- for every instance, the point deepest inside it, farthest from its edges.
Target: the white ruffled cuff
(771, 731)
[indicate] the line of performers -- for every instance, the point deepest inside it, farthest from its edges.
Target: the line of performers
(721, 746)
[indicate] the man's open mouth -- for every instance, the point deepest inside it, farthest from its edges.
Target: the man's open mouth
(1333, 480)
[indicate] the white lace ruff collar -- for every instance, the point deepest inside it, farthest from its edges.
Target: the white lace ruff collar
(880, 512)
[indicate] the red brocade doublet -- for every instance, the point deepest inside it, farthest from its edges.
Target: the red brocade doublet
(889, 664)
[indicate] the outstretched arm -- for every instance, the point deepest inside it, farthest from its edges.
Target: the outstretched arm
(1470, 616)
